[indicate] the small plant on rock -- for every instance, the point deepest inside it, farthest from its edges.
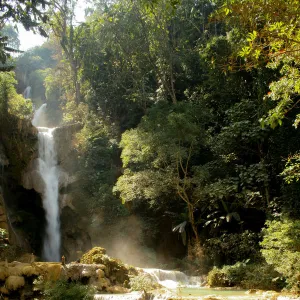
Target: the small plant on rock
(143, 281)
(63, 290)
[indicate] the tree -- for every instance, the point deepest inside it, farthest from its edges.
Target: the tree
(271, 37)
(63, 28)
(31, 14)
(157, 158)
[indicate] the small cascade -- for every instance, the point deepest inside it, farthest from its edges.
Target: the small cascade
(27, 92)
(48, 170)
(173, 279)
(36, 121)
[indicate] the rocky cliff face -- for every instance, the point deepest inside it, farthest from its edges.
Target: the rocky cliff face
(18, 206)
(21, 186)
(3, 164)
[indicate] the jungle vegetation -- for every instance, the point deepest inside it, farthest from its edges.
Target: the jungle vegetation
(190, 111)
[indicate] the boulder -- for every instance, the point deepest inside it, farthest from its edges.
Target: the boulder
(13, 283)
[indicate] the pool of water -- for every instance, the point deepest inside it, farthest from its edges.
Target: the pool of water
(225, 293)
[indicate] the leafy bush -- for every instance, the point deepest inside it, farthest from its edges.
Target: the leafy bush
(143, 282)
(248, 276)
(62, 290)
(10, 101)
(227, 275)
(281, 245)
(231, 248)
(262, 276)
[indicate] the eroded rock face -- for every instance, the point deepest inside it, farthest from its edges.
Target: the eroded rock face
(3, 219)
(17, 148)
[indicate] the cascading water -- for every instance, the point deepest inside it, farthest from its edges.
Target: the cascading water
(48, 170)
(173, 279)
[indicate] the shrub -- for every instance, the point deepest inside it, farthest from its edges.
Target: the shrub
(10, 101)
(227, 275)
(248, 276)
(231, 248)
(62, 290)
(262, 276)
(142, 282)
(281, 249)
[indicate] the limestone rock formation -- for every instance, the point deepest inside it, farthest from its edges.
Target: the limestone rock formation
(108, 276)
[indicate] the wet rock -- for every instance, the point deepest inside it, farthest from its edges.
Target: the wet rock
(212, 297)
(74, 236)
(13, 283)
(100, 273)
(116, 289)
(3, 219)
(115, 270)
(270, 295)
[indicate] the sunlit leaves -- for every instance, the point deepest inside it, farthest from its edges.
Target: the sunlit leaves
(10, 101)
(272, 39)
(153, 151)
(291, 172)
(280, 248)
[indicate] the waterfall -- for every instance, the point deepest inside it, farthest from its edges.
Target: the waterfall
(36, 121)
(27, 92)
(173, 279)
(48, 170)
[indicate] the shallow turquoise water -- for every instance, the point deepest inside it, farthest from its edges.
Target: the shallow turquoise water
(183, 292)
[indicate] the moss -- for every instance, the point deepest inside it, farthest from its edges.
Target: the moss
(50, 271)
(4, 290)
(3, 273)
(93, 256)
(114, 268)
(100, 273)
(13, 283)
(29, 271)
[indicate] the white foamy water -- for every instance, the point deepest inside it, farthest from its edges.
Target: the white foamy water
(173, 279)
(36, 121)
(49, 173)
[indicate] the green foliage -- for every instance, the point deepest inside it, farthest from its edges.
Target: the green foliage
(98, 153)
(291, 172)
(153, 151)
(172, 108)
(10, 101)
(13, 36)
(93, 256)
(232, 247)
(271, 38)
(143, 282)
(247, 276)
(280, 248)
(30, 14)
(3, 234)
(63, 290)
(32, 70)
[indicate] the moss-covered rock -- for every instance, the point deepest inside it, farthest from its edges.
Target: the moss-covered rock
(13, 283)
(115, 270)
(93, 256)
(49, 271)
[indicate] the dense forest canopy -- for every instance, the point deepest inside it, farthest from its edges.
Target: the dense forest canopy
(189, 113)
